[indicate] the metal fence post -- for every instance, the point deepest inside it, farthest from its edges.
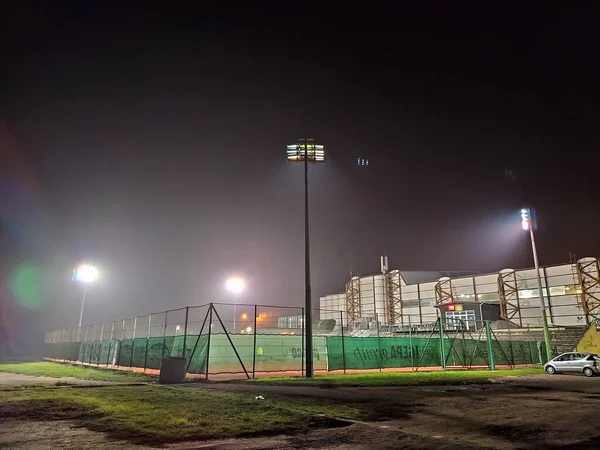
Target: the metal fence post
(185, 329)
(108, 353)
(147, 339)
(410, 344)
(254, 343)
(132, 342)
(302, 343)
(379, 359)
(210, 311)
(101, 331)
(164, 339)
(512, 350)
(343, 343)
(442, 349)
(490, 345)
(112, 330)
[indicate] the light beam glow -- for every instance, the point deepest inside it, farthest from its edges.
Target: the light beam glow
(86, 273)
(235, 285)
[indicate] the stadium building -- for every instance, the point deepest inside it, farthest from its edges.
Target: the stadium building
(394, 299)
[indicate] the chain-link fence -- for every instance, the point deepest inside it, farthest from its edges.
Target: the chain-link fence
(255, 339)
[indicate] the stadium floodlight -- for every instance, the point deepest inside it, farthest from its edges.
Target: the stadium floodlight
(249, 330)
(525, 219)
(306, 150)
(528, 224)
(236, 286)
(85, 274)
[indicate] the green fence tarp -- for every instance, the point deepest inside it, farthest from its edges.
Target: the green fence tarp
(158, 349)
(272, 353)
(281, 353)
(383, 352)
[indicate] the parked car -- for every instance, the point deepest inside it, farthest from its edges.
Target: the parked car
(586, 363)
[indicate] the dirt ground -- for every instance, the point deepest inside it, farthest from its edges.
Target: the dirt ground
(17, 379)
(538, 412)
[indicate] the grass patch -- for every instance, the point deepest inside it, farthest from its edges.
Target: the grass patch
(57, 370)
(157, 413)
(397, 378)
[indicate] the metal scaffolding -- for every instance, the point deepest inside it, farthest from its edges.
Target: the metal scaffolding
(589, 279)
(393, 298)
(508, 293)
(353, 301)
(443, 291)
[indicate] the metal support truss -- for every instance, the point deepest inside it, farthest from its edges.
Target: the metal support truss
(508, 293)
(393, 300)
(443, 291)
(353, 301)
(589, 279)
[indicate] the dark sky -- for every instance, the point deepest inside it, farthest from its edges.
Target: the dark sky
(151, 140)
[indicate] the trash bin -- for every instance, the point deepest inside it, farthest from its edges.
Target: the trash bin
(172, 370)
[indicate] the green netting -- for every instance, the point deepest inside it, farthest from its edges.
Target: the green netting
(107, 351)
(198, 356)
(158, 349)
(475, 352)
(273, 353)
(383, 352)
(279, 353)
(124, 355)
(62, 350)
(139, 353)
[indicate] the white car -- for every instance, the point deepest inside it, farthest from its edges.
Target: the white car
(586, 363)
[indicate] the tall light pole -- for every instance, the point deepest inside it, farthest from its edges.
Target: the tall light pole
(306, 150)
(85, 274)
(527, 223)
(235, 285)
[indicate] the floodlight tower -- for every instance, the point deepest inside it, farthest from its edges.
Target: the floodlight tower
(305, 150)
(528, 222)
(85, 274)
(235, 285)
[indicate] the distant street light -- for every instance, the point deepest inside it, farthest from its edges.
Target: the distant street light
(236, 286)
(86, 274)
(527, 223)
(306, 150)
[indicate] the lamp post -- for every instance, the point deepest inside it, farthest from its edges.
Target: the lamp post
(85, 274)
(528, 224)
(235, 285)
(306, 150)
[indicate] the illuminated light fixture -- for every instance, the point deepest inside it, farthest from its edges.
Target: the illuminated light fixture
(525, 219)
(451, 307)
(299, 151)
(235, 285)
(249, 330)
(86, 273)
(244, 316)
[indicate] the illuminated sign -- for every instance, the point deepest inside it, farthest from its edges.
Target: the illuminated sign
(454, 307)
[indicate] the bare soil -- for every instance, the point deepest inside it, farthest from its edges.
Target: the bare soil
(539, 412)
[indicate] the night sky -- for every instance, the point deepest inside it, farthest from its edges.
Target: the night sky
(151, 141)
